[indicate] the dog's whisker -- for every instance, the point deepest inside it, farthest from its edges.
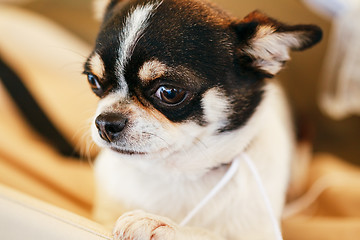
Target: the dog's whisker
(85, 145)
(201, 143)
(79, 54)
(157, 136)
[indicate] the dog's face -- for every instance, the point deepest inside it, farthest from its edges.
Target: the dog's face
(173, 75)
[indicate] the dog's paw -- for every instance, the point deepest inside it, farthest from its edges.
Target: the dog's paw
(139, 225)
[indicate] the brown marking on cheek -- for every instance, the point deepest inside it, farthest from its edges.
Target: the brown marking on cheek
(152, 70)
(151, 112)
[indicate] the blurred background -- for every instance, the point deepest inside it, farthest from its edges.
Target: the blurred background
(301, 78)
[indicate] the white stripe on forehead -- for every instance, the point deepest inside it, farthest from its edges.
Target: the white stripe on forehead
(135, 24)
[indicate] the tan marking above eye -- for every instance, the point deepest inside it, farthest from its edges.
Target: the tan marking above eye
(152, 70)
(97, 65)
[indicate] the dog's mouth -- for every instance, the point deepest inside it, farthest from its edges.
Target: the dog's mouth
(127, 152)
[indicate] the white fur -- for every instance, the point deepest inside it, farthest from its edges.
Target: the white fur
(171, 182)
(271, 49)
(216, 107)
(135, 24)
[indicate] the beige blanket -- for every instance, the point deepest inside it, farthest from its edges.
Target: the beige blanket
(50, 62)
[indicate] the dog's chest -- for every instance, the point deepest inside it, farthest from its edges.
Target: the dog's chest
(238, 205)
(129, 188)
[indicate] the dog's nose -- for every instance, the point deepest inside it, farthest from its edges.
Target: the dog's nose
(110, 125)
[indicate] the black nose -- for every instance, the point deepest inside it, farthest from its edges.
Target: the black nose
(110, 125)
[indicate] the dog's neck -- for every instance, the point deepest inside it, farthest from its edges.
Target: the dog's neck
(229, 174)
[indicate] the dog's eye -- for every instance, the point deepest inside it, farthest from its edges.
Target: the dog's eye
(93, 81)
(94, 84)
(170, 95)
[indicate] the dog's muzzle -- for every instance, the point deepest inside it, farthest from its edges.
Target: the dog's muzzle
(110, 126)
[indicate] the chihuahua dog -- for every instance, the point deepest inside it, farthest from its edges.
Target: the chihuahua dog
(184, 88)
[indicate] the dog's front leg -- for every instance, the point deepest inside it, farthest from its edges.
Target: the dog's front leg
(139, 225)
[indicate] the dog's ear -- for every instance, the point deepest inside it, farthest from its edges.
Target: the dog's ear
(100, 7)
(264, 43)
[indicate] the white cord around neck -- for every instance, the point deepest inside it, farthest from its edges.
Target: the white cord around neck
(225, 179)
(269, 209)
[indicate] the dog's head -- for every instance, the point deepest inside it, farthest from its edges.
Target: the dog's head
(175, 77)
